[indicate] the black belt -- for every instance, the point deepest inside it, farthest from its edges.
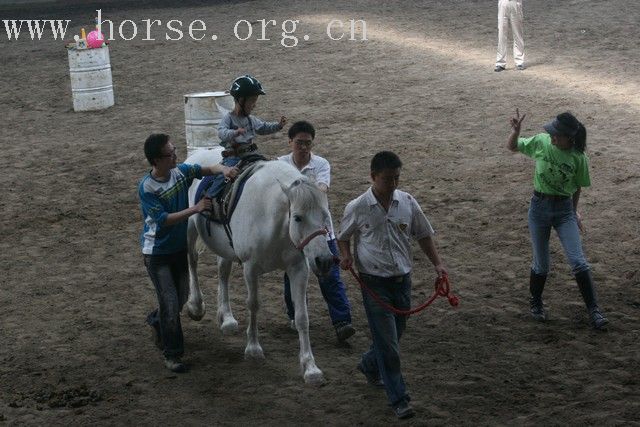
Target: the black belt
(550, 196)
(239, 150)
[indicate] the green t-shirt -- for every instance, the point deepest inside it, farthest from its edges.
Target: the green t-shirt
(558, 172)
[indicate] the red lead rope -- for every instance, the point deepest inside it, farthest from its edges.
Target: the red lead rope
(305, 242)
(442, 288)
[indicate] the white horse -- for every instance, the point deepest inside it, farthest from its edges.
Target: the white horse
(279, 223)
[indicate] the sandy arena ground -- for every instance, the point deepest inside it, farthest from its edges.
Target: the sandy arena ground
(74, 294)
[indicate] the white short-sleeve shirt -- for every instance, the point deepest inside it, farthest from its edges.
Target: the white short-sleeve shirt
(382, 239)
(319, 171)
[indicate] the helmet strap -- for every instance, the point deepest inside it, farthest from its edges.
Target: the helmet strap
(242, 101)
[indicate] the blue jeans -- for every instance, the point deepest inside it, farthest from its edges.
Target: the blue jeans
(333, 292)
(544, 214)
(383, 358)
(218, 180)
(170, 277)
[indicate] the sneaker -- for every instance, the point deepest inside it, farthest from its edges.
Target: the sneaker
(372, 379)
(174, 364)
(598, 321)
(537, 310)
(498, 68)
(520, 67)
(344, 330)
(403, 410)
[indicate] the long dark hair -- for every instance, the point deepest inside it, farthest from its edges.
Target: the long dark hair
(579, 137)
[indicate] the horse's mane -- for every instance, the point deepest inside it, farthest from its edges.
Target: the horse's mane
(306, 194)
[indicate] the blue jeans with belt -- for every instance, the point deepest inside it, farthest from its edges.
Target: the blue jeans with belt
(333, 292)
(383, 358)
(546, 213)
(170, 277)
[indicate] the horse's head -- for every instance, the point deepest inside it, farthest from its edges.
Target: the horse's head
(308, 223)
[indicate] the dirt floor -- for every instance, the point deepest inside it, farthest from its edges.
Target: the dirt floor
(74, 293)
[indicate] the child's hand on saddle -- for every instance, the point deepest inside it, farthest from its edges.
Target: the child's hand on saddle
(240, 131)
(283, 121)
(230, 173)
(203, 205)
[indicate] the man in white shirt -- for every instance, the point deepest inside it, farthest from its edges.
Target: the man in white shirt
(381, 222)
(301, 136)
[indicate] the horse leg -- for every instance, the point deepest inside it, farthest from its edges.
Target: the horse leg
(299, 278)
(253, 349)
(228, 325)
(195, 303)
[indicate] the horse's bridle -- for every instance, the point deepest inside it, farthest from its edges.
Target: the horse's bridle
(321, 232)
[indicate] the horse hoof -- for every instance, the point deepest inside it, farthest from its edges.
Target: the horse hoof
(314, 378)
(229, 327)
(254, 353)
(196, 313)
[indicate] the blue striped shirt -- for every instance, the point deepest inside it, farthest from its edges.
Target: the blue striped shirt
(157, 200)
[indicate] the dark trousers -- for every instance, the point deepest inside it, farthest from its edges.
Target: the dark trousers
(218, 180)
(170, 277)
(333, 292)
(383, 358)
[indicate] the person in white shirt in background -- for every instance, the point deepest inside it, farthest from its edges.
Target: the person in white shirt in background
(510, 12)
(301, 136)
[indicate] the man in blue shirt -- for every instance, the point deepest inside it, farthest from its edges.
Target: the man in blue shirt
(164, 201)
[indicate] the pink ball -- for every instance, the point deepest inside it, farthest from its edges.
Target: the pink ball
(95, 39)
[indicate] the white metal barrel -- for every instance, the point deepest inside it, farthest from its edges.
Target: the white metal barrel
(202, 114)
(91, 83)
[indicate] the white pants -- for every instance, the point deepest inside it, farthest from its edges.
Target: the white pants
(510, 11)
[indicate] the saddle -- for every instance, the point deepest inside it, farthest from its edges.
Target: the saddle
(225, 201)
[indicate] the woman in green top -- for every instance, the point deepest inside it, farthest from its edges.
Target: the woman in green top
(562, 169)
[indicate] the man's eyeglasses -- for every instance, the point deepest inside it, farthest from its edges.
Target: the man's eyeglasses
(303, 142)
(170, 155)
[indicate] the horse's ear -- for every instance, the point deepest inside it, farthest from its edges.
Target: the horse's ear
(287, 190)
(284, 188)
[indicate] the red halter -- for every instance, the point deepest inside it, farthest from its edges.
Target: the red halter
(323, 231)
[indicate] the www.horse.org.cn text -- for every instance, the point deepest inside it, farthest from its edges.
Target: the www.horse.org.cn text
(289, 32)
